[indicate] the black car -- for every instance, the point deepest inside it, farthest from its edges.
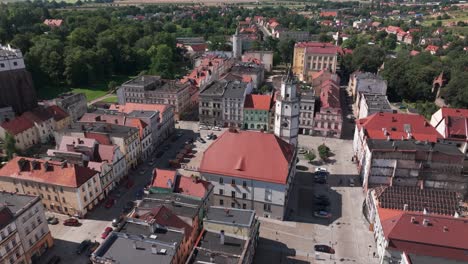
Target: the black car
(116, 221)
(83, 246)
(201, 140)
(324, 249)
(54, 260)
(213, 137)
(320, 180)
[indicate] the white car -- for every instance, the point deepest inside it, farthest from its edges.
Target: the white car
(203, 127)
(216, 128)
(320, 169)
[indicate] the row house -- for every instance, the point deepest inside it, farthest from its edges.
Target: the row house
(64, 188)
(11, 249)
(207, 69)
(108, 160)
(314, 57)
(35, 126)
(234, 241)
(126, 138)
(124, 120)
(366, 82)
(239, 178)
(75, 104)
(257, 112)
(150, 89)
(306, 112)
(250, 72)
(160, 117)
(328, 121)
(32, 228)
(372, 103)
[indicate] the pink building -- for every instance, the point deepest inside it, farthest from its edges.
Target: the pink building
(328, 121)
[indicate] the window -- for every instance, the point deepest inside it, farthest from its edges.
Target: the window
(244, 206)
(221, 202)
(56, 199)
(221, 191)
(267, 207)
(2, 65)
(15, 63)
(221, 181)
(233, 182)
(63, 199)
(66, 209)
(233, 205)
(267, 194)
(244, 184)
(51, 207)
(244, 196)
(48, 197)
(233, 194)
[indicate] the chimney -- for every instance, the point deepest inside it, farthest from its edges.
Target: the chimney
(426, 222)
(221, 237)
(425, 211)
(405, 207)
(445, 229)
(154, 249)
(413, 219)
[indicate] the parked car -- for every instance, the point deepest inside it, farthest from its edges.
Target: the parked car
(213, 137)
(320, 169)
(320, 180)
(351, 182)
(324, 249)
(71, 222)
(85, 244)
(106, 232)
(54, 260)
(109, 203)
(201, 140)
(216, 128)
(52, 220)
(203, 127)
(209, 136)
(322, 214)
(116, 221)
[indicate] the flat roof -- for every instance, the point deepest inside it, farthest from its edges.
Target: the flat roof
(230, 216)
(16, 202)
(162, 234)
(412, 145)
(210, 247)
(179, 208)
(235, 89)
(105, 128)
(122, 248)
(216, 88)
(142, 80)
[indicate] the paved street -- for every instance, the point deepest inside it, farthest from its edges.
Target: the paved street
(347, 231)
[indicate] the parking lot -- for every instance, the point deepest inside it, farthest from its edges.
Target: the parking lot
(346, 231)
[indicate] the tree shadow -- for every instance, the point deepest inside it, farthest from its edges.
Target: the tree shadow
(66, 250)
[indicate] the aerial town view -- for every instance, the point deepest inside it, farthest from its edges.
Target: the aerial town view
(233, 132)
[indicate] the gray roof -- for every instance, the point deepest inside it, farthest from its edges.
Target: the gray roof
(246, 68)
(17, 202)
(383, 144)
(230, 216)
(152, 82)
(166, 235)
(235, 89)
(123, 248)
(368, 75)
(142, 80)
(377, 103)
(105, 128)
(229, 252)
(308, 95)
(180, 205)
(217, 88)
(143, 114)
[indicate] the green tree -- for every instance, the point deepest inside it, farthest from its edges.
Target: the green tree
(286, 48)
(324, 152)
(111, 85)
(170, 27)
(310, 156)
(325, 38)
(368, 58)
(162, 62)
(390, 42)
(10, 147)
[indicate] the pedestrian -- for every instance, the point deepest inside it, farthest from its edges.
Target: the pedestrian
(373, 254)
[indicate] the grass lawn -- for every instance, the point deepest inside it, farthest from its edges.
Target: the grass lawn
(111, 99)
(456, 16)
(91, 91)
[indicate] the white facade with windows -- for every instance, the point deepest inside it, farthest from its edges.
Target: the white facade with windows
(287, 112)
(11, 59)
(11, 250)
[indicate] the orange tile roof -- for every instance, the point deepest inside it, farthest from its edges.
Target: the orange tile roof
(17, 125)
(258, 102)
(70, 175)
(247, 154)
(193, 187)
(57, 112)
(130, 107)
(161, 178)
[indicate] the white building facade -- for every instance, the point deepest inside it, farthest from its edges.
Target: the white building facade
(287, 112)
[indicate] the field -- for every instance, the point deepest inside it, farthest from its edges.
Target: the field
(455, 16)
(92, 92)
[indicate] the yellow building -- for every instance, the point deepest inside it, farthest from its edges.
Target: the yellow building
(64, 188)
(314, 57)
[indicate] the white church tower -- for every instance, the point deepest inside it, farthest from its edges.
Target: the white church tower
(236, 45)
(287, 111)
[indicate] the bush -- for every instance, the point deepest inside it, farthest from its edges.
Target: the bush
(324, 151)
(310, 156)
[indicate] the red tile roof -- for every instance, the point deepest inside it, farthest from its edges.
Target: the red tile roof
(199, 47)
(71, 175)
(17, 125)
(313, 44)
(115, 119)
(444, 237)
(130, 107)
(258, 102)
(53, 22)
(414, 52)
(165, 217)
(106, 152)
(432, 48)
(193, 187)
(328, 14)
(456, 122)
(249, 155)
(330, 95)
(57, 113)
(396, 126)
(162, 177)
(99, 137)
